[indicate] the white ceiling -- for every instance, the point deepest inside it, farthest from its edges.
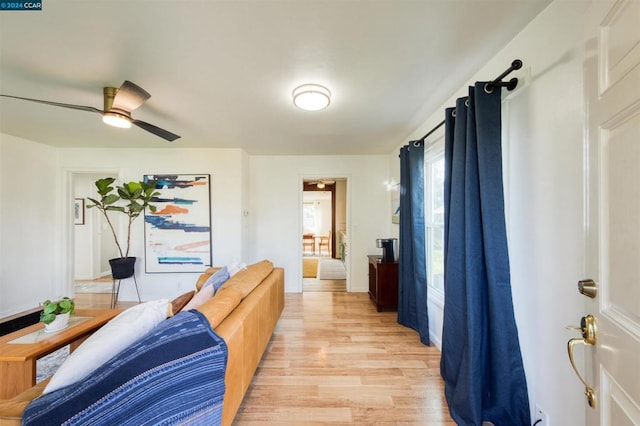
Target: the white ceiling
(221, 72)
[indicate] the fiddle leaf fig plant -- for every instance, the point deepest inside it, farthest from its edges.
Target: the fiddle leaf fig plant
(51, 309)
(130, 199)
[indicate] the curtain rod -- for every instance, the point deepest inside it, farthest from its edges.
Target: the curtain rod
(497, 82)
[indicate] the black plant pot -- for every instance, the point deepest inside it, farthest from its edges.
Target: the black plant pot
(122, 268)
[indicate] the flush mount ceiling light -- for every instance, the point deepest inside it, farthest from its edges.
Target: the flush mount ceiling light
(116, 120)
(311, 97)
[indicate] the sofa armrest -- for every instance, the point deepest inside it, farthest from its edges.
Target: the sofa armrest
(11, 410)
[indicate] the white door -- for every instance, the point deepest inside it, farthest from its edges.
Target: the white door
(612, 172)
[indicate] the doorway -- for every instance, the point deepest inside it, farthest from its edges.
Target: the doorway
(92, 244)
(324, 235)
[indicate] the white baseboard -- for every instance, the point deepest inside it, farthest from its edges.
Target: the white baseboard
(83, 278)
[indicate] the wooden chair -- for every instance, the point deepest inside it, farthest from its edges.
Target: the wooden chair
(308, 241)
(325, 241)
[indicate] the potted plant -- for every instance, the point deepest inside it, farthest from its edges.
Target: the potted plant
(130, 199)
(55, 314)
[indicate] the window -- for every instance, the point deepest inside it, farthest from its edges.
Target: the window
(309, 218)
(434, 216)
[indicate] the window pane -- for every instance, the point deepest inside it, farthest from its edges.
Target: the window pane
(436, 182)
(309, 217)
(436, 248)
(435, 224)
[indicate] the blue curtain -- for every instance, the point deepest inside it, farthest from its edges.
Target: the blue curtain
(481, 362)
(412, 280)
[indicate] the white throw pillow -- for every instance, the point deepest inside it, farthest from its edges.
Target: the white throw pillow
(236, 267)
(116, 335)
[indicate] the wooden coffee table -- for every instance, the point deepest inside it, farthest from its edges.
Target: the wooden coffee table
(20, 350)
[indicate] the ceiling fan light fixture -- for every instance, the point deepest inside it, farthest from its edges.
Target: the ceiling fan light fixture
(311, 97)
(116, 120)
(320, 185)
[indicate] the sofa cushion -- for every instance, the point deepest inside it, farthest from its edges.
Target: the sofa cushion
(119, 333)
(230, 294)
(209, 288)
(219, 307)
(248, 279)
(174, 375)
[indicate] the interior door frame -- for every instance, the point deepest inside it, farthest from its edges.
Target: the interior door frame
(306, 187)
(301, 185)
(68, 228)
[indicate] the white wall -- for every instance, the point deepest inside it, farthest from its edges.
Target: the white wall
(256, 212)
(29, 217)
(228, 185)
(245, 230)
(543, 140)
(276, 210)
(544, 168)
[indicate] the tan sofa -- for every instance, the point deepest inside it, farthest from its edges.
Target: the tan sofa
(244, 312)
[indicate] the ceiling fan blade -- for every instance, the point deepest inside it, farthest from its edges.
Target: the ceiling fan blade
(58, 104)
(165, 134)
(130, 96)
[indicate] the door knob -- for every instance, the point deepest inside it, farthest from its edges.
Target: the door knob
(588, 288)
(589, 338)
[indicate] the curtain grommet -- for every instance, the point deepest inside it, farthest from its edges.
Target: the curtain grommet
(453, 113)
(466, 102)
(488, 89)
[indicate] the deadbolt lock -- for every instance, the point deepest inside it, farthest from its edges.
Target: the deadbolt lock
(588, 288)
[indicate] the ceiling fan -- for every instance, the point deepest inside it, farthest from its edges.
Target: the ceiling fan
(118, 104)
(321, 183)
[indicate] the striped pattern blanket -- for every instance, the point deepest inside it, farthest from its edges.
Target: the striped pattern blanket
(173, 375)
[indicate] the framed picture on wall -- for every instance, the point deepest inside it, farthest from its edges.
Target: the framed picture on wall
(78, 211)
(395, 203)
(178, 233)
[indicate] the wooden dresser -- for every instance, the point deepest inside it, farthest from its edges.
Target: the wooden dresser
(383, 283)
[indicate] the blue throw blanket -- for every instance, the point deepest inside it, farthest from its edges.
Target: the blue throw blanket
(173, 375)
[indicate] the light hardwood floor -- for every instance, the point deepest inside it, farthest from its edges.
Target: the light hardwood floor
(98, 301)
(314, 284)
(334, 360)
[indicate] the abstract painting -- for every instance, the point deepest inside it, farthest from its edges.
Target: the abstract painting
(178, 233)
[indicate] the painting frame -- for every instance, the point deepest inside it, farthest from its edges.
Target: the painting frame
(78, 211)
(395, 203)
(178, 234)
